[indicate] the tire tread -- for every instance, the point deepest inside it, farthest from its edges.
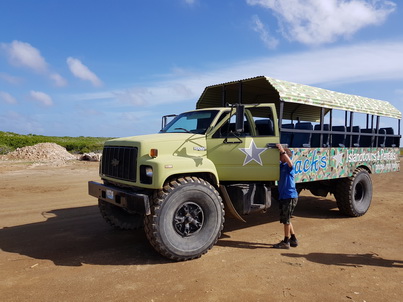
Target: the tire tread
(344, 193)
(150, 221)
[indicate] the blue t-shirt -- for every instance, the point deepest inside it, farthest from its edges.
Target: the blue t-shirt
(286, 184)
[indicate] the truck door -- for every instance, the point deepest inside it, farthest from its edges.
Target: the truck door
(246, 156)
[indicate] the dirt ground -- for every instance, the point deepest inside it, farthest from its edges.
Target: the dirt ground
(55, 246)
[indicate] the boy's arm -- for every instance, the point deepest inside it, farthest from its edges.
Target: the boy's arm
(285, 156)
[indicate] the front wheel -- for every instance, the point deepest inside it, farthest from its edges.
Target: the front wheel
(187, 217)
(354, 194)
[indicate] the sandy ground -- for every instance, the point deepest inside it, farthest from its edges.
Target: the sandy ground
(56, 247)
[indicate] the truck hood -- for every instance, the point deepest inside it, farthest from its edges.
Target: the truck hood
(152, 138)
(188, 144)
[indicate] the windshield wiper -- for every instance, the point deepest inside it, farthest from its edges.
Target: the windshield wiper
(186, 130)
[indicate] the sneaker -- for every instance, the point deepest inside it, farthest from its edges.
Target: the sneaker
(282, 245)
(294, 242)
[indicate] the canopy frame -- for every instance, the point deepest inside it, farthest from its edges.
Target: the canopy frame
(300, 101)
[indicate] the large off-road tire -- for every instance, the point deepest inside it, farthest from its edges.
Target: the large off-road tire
(354, 194)
(187, 217)
(119, 218)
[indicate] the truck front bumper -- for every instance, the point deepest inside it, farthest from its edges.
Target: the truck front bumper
(132, 201)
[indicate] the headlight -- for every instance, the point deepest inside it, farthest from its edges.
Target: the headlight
(149, 172)
(146, 174)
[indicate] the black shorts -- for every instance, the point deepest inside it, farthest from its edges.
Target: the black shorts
(287, 207)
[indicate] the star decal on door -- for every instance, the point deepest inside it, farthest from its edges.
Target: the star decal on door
(252, 153)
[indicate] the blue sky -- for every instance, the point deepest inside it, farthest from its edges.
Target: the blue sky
(113, 68)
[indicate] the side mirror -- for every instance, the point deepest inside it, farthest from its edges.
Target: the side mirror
(240, 113)
(164, 121)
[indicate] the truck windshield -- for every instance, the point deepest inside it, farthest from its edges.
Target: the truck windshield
(191, 122)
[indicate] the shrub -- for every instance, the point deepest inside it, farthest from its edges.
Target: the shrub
(10, 141)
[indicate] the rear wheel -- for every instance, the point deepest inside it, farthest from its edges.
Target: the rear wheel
(187, 217)
(354, 194)
(119, 218)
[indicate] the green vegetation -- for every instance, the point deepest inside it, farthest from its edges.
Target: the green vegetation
(10, 141)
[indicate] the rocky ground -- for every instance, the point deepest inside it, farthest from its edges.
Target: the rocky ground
(50, 154)
(54, 246)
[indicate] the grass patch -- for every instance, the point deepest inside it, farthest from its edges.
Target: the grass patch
(10, 141)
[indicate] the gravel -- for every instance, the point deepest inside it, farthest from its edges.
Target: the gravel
(43, 152)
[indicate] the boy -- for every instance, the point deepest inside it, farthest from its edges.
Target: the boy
(288, 198)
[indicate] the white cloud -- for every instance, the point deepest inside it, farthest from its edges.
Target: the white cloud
(264, 34)
(93, 96)
(58, 80)
(134, 96)
(19, 123)
(23, 54)
(316, 22)
(41, 97)
(10, 79)
(347, 64)
(135, 116)
(8, 98)
(82, 72)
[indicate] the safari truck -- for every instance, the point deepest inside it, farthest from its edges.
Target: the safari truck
(221, 159)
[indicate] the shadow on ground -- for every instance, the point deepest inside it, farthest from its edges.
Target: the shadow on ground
(76, 236)
(355, 260)
(308, 206)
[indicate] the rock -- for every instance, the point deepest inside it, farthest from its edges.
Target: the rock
(91, 156)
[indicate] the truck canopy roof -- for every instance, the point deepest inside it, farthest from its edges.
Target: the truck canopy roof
(301, 101)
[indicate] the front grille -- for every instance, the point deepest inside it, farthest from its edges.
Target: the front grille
(120, 162)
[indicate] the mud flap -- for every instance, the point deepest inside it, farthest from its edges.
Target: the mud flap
(228, 204)
(243, 199)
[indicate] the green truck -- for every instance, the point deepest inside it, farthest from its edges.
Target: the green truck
(220, 159)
